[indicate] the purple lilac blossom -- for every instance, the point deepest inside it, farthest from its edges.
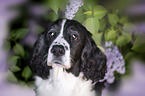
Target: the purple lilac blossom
(72, 8)
(115, 62)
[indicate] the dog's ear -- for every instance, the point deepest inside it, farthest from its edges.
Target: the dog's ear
(93, 60)
(38, 62)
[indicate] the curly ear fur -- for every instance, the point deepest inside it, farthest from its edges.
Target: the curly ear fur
(93, 60)
(38, 60)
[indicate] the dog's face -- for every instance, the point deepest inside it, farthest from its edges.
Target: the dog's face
(66, 42)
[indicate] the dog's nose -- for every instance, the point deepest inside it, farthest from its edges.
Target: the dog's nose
(58, 50)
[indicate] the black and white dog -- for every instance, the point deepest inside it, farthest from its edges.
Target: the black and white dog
(66, 61)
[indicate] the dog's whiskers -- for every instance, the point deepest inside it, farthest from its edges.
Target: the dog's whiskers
(45, 58)
(72, 60)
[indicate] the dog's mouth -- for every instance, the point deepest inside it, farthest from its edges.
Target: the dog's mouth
(57, 63)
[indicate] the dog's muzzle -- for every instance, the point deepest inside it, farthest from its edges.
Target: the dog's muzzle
(57, 53)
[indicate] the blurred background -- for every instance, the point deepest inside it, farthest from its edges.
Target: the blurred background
(120, 21)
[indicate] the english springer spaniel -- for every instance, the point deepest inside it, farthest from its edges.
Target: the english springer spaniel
(66, 61)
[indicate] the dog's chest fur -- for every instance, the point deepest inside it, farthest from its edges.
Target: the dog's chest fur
(61, 83)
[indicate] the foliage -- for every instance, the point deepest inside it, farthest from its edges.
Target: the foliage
(139, 44)
(18, 71)
(106, 24)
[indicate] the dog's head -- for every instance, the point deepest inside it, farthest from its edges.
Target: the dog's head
(67, 44)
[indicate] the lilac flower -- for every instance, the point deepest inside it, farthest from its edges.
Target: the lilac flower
(72, 8)
(115, 62)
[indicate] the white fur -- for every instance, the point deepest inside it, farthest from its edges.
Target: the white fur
(61, 83)
(60, 41)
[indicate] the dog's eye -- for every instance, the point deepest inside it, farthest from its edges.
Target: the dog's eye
(74, 37)
(51, 34)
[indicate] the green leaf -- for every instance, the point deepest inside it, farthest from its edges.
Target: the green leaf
(128, 27)
(54, 5)
(52, 16)
(26, 73)
(129, 55)
(89, 4)
(139, 44)
(121, 40)
(13, 35)
(19, 50)
(101, 48)
(98, 37)
(99, 12)
(79, 15)
(12, 61)
(18, 34)
(103, 24)
(111, 35)
(124, 39)
(11, 77)
(127, 35)
(63, 4)
(113, 19)
(92, 24)
(15, 68)
(7, 45)
(21, 33)
(123, 20)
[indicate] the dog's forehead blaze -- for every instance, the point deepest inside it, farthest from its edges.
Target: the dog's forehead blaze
(60, 35)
